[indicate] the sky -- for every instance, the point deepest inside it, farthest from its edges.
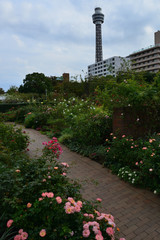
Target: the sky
(58, 36)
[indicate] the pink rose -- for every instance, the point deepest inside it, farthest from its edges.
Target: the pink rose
(91, 215)
(29, 205)
(99, 199)
(24, 235)
(9, 223)
(86, 233)
(99, 237)
(17, 237)
(79, 203)
(85, 214)
(50, 195)
(59, 200)
(110, 231)
(42, 233)
(44, 194)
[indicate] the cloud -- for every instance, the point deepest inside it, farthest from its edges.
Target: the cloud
(18, 41)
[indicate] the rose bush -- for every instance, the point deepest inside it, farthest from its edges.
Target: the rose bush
(38, 200)
(135, 161)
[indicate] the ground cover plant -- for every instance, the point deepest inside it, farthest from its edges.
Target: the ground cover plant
(38, 200)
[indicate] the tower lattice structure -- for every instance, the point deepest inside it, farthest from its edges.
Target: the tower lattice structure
(98, 19)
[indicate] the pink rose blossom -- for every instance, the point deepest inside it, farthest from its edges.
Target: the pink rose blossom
(136, 163)
(91, 215)
(9, 223)
(44, 194)
(150, 169)
(86, 233)
(122, 239)
(59, 200)
(20, 231)
(99, 237)
(110, 231)
(29, 205)
(86, 226)
(65, 164)
(50, 195)
(71, 200)
(44, 180)
(99, 199)
(24, 235)
(79, 203)
(69, 210)
(17, 237)
(40, 199)
(85, 214)
(77, 209)
(42, 233)
(95, 229)
(144, 148)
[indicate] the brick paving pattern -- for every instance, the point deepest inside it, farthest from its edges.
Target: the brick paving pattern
(136, 211)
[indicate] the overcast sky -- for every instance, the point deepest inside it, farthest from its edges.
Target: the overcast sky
(57, 36)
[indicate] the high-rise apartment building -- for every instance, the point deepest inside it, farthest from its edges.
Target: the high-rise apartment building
(147, 59)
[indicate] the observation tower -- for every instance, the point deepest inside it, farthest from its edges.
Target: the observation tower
(98, 19)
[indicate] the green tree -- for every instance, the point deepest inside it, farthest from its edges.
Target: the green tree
(36, 83)
(13, 89)
(1, 91)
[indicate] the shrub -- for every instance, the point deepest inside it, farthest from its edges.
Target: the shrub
(139, 156)
(14, 139)
(56, 209)
(91, 129)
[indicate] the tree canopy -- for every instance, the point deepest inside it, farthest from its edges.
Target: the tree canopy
(36, 83)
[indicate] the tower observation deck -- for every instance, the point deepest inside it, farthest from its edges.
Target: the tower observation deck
(98, 19)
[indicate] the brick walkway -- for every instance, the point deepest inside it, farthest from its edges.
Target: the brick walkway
(136, 211)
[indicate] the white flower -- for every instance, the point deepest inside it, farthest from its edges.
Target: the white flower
(155, 191)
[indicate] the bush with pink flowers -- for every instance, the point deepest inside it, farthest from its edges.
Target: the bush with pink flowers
(39, 201)
(135, 161)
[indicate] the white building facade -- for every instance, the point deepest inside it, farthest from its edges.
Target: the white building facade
(108, 66)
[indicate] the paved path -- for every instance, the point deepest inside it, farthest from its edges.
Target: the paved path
(136, 211)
